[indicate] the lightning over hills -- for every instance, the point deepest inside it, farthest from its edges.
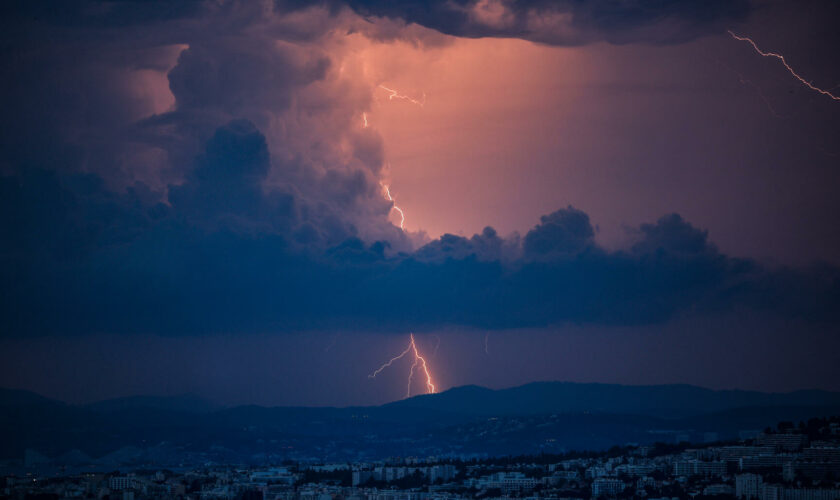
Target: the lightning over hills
(419, 361)
(207, 268)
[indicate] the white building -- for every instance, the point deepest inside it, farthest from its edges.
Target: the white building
(273, 475)
(606, 487)
(442, 472)
(361, 477)
(747, 485)
(507, 481)
(699, 468)
(779, 492)
(119, 483)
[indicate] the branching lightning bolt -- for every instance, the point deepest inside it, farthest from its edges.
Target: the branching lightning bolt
(391, 361)
(786, 65)
(418, 361)
(394, 94)
(398, 209)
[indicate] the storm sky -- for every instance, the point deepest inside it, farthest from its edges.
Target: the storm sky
(192, 196)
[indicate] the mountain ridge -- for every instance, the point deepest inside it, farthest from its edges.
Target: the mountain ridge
(539, 397)
(523, 419)
(666, 400)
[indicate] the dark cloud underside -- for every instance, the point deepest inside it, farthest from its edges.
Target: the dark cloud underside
(252, 203)
(225, 256)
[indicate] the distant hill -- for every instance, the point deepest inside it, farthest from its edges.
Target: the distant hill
(17, 397)
(187, 403)
(669, 401)
(533, 418)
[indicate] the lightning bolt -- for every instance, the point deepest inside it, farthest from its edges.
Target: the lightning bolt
(398, 209)
(391, 361)
(419, 361)
(394, 94)
(486, 346)
(786, 65)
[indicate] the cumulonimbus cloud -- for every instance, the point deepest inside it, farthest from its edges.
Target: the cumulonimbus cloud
(225, 255)
(252, 200)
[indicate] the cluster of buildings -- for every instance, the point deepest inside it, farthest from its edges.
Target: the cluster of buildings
(790, 464)
(434, 473)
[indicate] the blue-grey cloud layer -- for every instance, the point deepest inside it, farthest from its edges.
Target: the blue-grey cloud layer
(241, 230)
(566, 22)
(225, 255)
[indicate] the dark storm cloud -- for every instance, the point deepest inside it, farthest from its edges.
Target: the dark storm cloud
(562, 232)
(487, 246)
(674, 235)
(568, 22)
(232, 74)
(225, 186)
(88, 92)
(252, 202)
(225, 256)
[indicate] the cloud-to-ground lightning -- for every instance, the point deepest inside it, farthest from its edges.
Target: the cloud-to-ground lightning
(786, 65)
(419, 360)
(398, 209)
(394, 94)
(486, 346)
